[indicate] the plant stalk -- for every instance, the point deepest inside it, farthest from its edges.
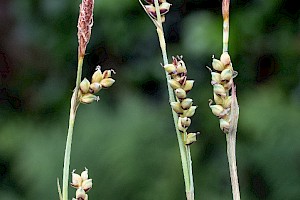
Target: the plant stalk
(231, 141)
(73, 109)
(234, 113)
(225, 13)
(231, 146)
(185, 155)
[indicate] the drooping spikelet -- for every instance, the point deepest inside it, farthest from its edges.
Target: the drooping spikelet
(87, 89)
(85, 23)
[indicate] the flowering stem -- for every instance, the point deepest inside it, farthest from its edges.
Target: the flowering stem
(184, 150)
(73, 109)
(234, 115)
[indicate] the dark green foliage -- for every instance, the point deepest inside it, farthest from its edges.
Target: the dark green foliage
(127, 140)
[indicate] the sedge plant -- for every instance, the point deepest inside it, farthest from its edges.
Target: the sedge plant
(178, 86)
(225, 105)
(84, 93)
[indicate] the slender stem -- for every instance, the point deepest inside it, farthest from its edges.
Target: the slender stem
(231, 146)
(234, 113)
(231, 141)
(184, 150)
(225, 13)
(73, 109)
(190, 193)
(225, 34)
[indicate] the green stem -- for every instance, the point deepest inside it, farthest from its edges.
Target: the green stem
(73, 109)
(184, 150)
(190, 194)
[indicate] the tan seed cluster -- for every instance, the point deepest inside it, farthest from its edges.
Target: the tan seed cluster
(82, 183)
(222, 80)
(183, 106)
(99, 80)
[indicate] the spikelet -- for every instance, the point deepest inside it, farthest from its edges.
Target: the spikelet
(82, 183)
(183, 106)
(222, 76)
(99, 80)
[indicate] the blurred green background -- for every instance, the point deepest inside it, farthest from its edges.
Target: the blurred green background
(127, 140)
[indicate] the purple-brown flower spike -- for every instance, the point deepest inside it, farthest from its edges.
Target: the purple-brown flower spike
(225, 12)
(225, 8)
(85, 23)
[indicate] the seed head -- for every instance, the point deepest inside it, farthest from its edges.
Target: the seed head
(225, 58)
(217, 65)
(84, 86)
(191, 138)
(177, 107)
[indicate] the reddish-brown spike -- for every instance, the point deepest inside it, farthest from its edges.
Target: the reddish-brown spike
(85, 23)
(225, 8)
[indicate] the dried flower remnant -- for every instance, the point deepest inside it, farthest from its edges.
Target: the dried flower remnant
(85, 23)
